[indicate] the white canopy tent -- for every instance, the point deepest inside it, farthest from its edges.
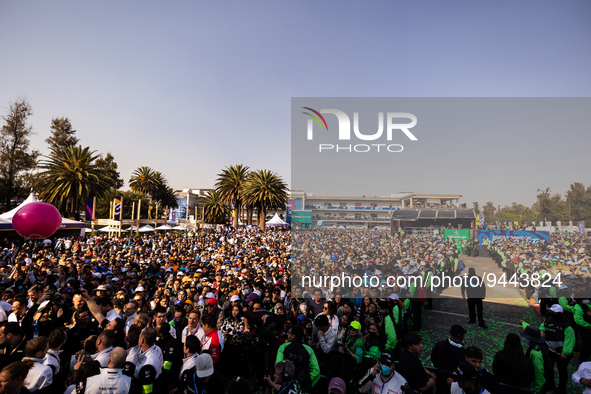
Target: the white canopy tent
(110, 229)
(276, 221)
(165, 227)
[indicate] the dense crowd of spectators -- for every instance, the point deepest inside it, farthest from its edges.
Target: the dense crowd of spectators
(219, 311)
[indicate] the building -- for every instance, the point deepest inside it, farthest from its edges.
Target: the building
(309, 210)
(189, 202)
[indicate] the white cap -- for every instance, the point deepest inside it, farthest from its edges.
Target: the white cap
(210, 295)
(556, 308)
(204, 365)
(234, 298)
(139, 289)
(394, 296)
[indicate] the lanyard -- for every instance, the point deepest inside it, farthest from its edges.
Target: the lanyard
(285, 388)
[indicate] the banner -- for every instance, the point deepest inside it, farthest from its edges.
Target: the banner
(502, 235)
(117, 209)
(89, 208)
(581, 225)
(301, 219)
(457, 235)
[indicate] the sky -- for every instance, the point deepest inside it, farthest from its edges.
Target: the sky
(191, 87)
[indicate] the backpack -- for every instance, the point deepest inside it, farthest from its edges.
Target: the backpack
(461, 266)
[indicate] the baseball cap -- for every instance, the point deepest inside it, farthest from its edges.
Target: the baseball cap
(212, 301)
(387, 357)
(356, 325)
(234, 298)
(337, 384)
(102, 288)
(204, 365)
(556, 308)
(465, 371)
(394, 296)
(456, 330)
(139, 289)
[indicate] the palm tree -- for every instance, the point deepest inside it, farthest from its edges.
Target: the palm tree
(264, 189)
(214, 208)
(229, 187)
(145, 180)
(69, 175)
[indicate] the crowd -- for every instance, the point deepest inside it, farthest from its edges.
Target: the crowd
(222, 311)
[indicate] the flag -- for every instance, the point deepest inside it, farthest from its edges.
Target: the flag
(581, 225)
(89, 208)
(482, 222)
(117, 209)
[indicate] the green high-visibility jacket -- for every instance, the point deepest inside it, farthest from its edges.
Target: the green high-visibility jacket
(579, 313)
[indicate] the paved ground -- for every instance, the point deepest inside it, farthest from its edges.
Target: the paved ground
(503, 309)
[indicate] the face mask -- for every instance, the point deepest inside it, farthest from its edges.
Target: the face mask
(385, 370)
(246, 292)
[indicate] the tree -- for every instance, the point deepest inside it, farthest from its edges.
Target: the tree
(214, 208)
(154, 186)
(62, 135)
(229, 187)
(476, 207)
(144, 180)
(109, 166)
(68, 176)
(550, 207)
(264, 189)
(489, 212)
(16, 159)
(579, 202)
(103, 204)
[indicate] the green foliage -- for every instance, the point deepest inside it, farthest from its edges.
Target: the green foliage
(129, 197)
(153, 185)
(264, 189)
(489, 212)
(516, 213)
(16, 158)
(68, 176)
(229, 187)
(62, 135)
(215, 209)
(110, 167)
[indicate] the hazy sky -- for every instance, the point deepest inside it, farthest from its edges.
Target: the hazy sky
(190, 87)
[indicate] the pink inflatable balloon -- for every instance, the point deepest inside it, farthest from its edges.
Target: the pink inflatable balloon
(37, 220)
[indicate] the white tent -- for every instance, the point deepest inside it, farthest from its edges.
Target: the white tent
(276, 221)
(146, 229)
(163, 227)
(181, 228)
(66, 223)
(110, 229)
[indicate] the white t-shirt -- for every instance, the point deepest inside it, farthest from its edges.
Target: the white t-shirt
(455, 389)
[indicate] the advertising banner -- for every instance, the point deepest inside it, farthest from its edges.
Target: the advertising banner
(502, 235)
(458, 235)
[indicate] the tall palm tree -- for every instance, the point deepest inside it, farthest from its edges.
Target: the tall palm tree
(69, 175)
(145, 180)
(264, 189)
(214, 208)
(229, 186)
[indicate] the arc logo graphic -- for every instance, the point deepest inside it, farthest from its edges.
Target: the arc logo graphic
(344, 130)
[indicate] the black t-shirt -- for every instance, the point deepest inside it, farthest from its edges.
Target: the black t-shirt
(411, 368)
